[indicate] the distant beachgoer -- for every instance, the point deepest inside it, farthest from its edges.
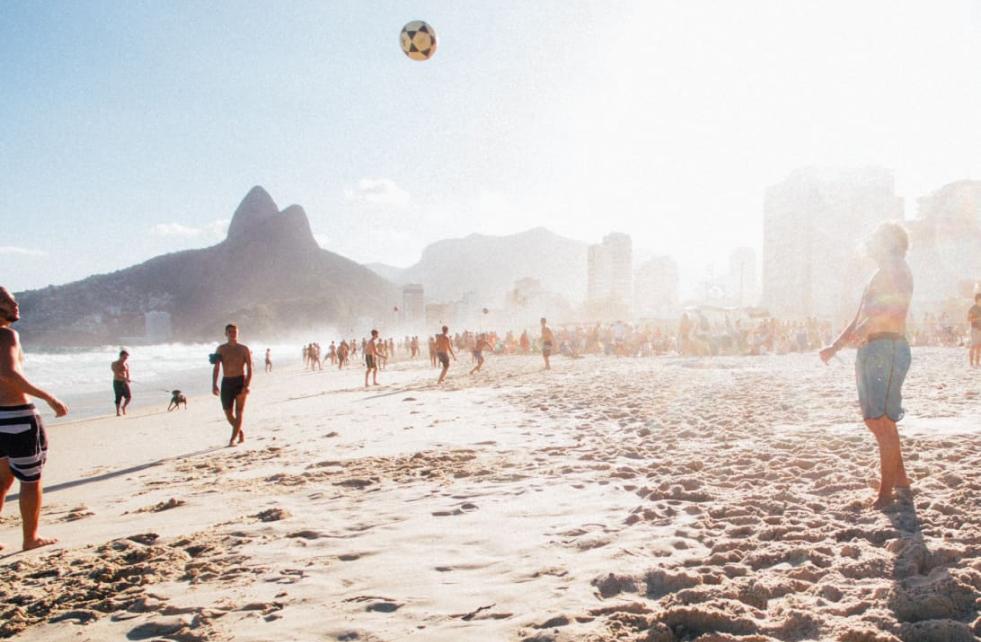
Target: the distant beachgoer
(235, 359)
(548, 339)
(342, 354)
(884, 356)
(23, 442)
(381, 353)
(432, 352)
(974, 319)
(443, 348)
(120, 382)
(371, 358)
(478, 351)
(268, 360)
(332, 353)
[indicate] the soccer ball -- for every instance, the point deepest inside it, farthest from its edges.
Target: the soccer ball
(418, 40)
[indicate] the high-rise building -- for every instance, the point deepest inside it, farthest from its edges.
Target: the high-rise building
(413, 304)
(814, 222)
(610, 270)
(656, 288)
(945, 246)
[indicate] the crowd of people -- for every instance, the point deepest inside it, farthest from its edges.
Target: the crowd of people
(881, 328)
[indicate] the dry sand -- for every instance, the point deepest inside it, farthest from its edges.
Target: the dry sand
(655, 500)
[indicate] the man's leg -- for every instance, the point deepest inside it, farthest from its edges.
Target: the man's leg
(30, 513)
(888, 455)
(6, 481)
(239, 416)
(126, 401)
(230, 417)
(901, 480)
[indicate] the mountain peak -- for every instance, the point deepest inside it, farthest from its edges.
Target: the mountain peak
(256, 208)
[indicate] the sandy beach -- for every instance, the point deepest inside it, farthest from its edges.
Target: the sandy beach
(655, 500)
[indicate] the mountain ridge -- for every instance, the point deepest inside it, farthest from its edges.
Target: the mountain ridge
(268, 274)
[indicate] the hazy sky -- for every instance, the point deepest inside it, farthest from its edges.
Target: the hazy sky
(128, 129)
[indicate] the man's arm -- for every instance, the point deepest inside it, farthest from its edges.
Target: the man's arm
(214, 374)
(13, 378)
(248, 369)
(845, 335)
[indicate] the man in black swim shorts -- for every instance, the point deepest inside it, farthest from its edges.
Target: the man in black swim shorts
(235, 359)
(23, 442)
(120, 382)
(444, 348)
(371, 358)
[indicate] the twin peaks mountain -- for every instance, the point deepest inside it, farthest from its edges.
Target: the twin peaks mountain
(269, 275)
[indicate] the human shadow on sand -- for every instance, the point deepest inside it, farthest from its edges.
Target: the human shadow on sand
(116, 473)
(932, 599)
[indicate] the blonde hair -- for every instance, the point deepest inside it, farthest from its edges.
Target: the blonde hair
(893, 238)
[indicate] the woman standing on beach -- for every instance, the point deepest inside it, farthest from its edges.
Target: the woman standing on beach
(883, 356)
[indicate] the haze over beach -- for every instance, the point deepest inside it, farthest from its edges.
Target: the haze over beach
(607, 322)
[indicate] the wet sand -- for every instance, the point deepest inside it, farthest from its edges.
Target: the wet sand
(652, 500)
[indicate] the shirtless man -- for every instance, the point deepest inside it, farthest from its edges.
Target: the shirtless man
(236, 361)
(478, 351)
(371, 358)
(23, 442)
(443, 348)
(974, 320)
(548, 339)
(120, 382)
(268, 359)
(883, 356)
(342, 352)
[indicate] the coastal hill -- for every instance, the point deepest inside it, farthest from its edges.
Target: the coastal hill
(269, 275)
(489, 266)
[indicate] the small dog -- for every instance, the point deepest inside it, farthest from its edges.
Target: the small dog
(176, 400)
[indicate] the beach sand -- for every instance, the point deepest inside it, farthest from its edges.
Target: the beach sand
(609, 499)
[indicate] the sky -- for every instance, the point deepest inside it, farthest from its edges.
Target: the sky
(131, 129)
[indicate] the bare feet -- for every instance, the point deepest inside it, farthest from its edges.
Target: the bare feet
(881, 502)
(38, 542)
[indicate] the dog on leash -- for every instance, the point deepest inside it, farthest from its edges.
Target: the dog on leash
(176, 400)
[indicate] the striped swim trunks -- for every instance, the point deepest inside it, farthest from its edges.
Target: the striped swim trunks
(23, 442)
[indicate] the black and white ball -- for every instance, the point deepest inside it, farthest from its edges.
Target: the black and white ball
(418, 40)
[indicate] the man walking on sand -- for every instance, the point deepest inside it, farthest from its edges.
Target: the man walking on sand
(444, 348)
(974, 320)
(120, 382)
(236, 361)
(23, 442)
(547, 340)
(371, 358)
